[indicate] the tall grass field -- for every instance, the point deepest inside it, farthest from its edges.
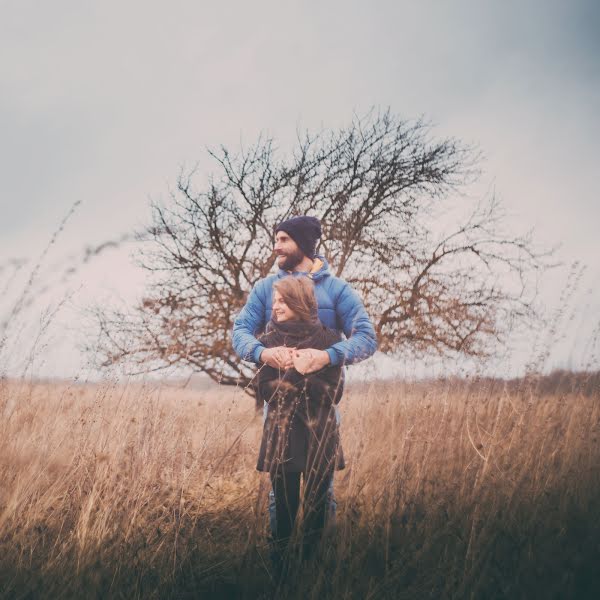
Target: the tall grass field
(453, 489)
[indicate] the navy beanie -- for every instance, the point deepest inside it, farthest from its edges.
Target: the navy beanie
(305, 231)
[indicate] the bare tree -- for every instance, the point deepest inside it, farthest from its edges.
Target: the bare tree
(378, 187)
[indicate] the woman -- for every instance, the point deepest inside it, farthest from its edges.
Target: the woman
(300, 433)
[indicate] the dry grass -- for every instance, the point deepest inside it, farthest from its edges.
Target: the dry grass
(462, 490)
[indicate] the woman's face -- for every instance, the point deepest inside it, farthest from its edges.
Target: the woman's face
(281, 310)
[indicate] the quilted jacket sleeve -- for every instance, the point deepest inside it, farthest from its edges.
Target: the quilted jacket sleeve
(249, 322)
(361, 340)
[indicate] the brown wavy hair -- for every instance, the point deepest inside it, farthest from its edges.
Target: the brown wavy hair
(299, 294)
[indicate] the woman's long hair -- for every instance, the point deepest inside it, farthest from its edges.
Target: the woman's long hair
(299, 294)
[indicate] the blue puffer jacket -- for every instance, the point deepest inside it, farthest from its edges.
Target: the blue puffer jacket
(340, 308)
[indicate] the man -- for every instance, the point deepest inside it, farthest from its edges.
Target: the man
(339, 308)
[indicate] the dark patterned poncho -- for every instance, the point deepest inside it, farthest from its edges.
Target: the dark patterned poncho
(300, 432)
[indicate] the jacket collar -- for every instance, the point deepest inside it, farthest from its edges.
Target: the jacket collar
(320, 269)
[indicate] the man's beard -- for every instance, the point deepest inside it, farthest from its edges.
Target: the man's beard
(291, 260)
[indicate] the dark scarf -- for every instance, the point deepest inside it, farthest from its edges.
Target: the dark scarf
(295, 334)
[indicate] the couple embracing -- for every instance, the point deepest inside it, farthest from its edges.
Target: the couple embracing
(301, 326)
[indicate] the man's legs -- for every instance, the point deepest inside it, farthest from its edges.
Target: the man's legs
(331, 501)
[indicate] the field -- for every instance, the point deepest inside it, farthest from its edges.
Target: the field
(454, 489)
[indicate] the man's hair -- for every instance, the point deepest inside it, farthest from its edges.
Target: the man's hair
(298, 292)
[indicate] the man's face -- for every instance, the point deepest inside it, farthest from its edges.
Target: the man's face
(288, 253)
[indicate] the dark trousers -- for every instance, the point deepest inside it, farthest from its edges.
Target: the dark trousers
(286, 486)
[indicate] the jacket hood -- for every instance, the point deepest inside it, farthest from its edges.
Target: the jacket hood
(320, 270)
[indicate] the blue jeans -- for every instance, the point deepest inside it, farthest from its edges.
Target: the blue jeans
(332, 504)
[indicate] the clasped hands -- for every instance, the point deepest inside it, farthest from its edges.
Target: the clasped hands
(306, 360)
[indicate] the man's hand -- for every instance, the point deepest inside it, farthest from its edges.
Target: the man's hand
(279, 357)
(310, 360)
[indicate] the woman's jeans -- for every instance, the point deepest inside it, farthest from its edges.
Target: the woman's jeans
(331, 502)
(287, 501)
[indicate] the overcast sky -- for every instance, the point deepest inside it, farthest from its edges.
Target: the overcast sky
(103, 102)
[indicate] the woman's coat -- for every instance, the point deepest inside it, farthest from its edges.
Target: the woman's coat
(300, 432)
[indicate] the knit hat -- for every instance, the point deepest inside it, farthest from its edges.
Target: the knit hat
(305, 231)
